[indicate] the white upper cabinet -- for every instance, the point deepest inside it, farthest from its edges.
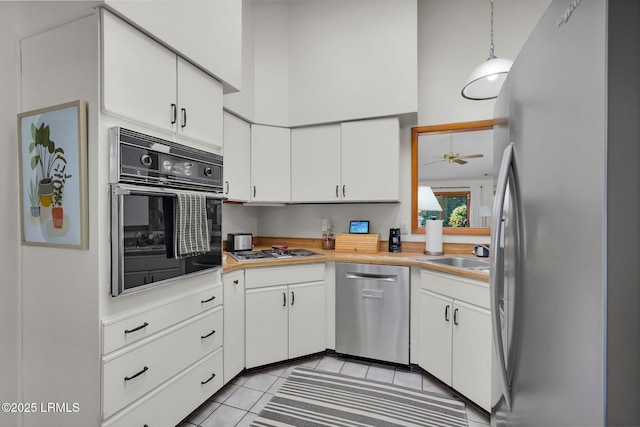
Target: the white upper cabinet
(371, 160)
(139, 75)
(237, 158)
(348, 162)
(146, 83)
(200, 105)
(206, 32)
(315, 164)
(270, 164)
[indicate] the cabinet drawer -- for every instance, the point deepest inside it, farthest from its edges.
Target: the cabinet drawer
(176, 398)
(459, 288)
(127, 375)
(124, 330)
(272, 276)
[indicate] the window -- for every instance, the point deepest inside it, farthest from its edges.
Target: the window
(454, 209)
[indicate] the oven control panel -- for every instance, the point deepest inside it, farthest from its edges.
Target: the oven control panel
(142, 159)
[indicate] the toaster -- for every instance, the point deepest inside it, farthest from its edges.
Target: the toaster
(239, 242)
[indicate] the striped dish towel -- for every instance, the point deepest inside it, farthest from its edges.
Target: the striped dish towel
(191, 235)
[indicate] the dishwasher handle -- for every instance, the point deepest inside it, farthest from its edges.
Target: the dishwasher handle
(372, 276)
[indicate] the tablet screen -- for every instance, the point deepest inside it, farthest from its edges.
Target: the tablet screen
(359, 227)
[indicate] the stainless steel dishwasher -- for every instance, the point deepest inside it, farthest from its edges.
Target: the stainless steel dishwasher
(372, 311)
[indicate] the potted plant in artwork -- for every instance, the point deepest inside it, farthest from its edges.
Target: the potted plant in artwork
(59, 181)
(34, 198)
(46, 155)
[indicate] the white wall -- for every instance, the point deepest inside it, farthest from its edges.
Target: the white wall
(349, 59)
(453, 39)
(9, 213)
(271, 66)
(62, 284)
(308, 62)
(242, 103)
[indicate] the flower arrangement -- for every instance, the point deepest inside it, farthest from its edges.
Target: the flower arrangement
(458, 217)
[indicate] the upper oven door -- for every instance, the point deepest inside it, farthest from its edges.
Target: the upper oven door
(142, 238)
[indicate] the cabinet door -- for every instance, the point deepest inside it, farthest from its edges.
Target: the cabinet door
(436, 319)
(472, 352)
(139, 75)
(307, 319)
(371, 160)
(233, 324)
(237, 158)
(266, 325)
(199, 105)
(315, 164)
(270, 164)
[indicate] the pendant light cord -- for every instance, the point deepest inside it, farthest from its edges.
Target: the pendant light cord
(491, 48)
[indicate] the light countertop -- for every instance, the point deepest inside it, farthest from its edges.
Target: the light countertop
(408, 257)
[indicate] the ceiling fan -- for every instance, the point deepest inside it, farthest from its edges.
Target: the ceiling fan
(453, 157)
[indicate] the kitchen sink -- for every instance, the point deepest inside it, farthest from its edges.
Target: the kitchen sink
(460, 262)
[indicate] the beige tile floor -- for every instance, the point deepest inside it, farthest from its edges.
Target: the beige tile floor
(240, 401)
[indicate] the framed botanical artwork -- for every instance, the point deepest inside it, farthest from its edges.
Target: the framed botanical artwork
(53, 176)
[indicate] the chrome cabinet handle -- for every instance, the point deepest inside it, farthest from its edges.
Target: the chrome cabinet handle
(226, 183)
(254, 191)
(174, 114)
(142, 371)
(337, 191)
(144, 325)
(344, 191)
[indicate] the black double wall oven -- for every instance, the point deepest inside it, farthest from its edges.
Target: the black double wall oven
(166, 211)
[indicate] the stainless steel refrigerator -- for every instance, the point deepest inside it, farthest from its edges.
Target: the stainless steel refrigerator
(565, 272)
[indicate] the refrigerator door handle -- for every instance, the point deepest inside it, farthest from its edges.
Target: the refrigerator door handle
(497, 270)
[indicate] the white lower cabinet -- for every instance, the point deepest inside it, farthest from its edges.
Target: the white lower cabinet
(455, 334)
(233, 324)
(285, 313)
(169, 404)
(164, 352)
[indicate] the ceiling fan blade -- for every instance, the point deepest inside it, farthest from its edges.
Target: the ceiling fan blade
(431, 163)
(472, 156)
(461, 162)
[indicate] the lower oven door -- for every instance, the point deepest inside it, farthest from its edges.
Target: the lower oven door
(142, 238)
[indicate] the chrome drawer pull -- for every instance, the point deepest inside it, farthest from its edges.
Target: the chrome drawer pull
(208, 335)
(144, 325)
(145, 369)
(210, 378)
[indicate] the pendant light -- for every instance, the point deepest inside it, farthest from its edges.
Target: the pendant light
(486, 80)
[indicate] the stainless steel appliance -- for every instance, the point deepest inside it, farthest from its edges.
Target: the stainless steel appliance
(147, 175)
(565, 243)
(273, 253)
(239, 242)
(372, 311)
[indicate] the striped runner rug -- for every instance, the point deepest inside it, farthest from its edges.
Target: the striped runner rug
(316, 398)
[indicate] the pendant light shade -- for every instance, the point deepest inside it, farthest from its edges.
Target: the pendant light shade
(487, 78)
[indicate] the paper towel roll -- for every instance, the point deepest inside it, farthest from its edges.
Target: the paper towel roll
(433, 245)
